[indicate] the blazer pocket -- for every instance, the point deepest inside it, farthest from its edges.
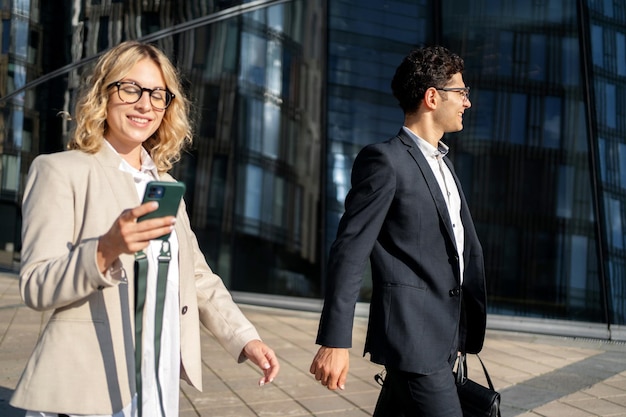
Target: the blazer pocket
(403, 306)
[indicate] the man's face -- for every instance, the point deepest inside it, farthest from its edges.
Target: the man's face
(449, 114)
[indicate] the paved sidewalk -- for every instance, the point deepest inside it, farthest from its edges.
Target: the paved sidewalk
(536, 375)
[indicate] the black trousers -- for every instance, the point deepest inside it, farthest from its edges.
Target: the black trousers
(405, 394)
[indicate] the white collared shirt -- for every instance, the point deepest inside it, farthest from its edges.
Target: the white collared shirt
(169, 366)
(448, 187)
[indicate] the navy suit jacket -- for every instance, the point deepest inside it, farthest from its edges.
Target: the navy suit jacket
(396, 215)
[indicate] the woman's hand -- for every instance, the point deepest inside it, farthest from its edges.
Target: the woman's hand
(262, 356)
(127, 235)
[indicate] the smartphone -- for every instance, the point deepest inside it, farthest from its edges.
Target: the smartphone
(168, 195)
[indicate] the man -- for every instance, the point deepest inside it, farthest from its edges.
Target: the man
(407, 212)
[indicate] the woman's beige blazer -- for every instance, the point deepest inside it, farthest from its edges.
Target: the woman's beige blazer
(83, 362)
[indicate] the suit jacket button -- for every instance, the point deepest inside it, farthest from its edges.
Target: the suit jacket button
(100, 287)
(455, 292)
(184, 311)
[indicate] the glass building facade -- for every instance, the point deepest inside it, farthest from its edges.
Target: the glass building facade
(286, 93)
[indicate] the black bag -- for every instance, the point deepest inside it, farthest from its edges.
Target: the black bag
(476, 400)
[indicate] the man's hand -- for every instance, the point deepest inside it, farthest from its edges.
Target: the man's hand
(262, 356)
(330, 367)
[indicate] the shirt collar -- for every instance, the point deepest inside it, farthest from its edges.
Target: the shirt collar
(427, 149)
(148, 169)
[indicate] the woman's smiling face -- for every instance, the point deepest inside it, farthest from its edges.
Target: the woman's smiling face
(129, 125)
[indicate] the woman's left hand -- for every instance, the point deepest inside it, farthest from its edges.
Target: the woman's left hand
(264, 357)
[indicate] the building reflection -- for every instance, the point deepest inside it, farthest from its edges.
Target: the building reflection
(254, 74)
(286, 92)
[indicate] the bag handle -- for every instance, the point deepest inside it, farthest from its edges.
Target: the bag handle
(461, 370)
(141, 285)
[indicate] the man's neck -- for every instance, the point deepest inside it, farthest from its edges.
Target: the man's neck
(420, 124)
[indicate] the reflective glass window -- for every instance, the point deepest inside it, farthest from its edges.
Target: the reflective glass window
(621, 156)
(274, 67)
(578, 285)
(552, 123)
(296, 226)
(279, 202)
(608, 8)
(597, 45)
(253, 56)
(276, 17)
(505, 62)
(20, 37)
(614, 222)
(607, 106)
(17, 129)
(483, 107)
(6, 36)
(218, 177)
(537, 57)
(10, 173)
(517, 117)
(17, 80)
(271, 130)
(620, 54)
(570, 74)
(267, 196)
(602, 158)
(253, 195)
(21, 7)
(565, 196)
(254, 124)
(617, 272)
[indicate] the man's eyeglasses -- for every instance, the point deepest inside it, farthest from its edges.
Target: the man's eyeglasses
(130, 92)
(463, 91)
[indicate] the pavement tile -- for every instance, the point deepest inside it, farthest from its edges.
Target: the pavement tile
(218, 411)
(618, 399)
(598, 407)
(284, 408)
(558, 409)
(331, 403)
(602, 390)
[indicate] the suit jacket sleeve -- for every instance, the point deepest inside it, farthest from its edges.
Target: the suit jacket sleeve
(366, 206)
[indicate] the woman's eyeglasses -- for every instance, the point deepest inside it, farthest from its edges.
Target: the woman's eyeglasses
(130, 92)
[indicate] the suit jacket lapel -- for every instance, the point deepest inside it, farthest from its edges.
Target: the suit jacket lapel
(431, 182)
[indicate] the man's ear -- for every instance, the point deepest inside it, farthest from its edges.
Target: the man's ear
(431, 98)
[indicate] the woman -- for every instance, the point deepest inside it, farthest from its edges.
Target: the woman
(80, 237)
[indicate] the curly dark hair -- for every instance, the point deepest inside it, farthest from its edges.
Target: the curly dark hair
(422, 68)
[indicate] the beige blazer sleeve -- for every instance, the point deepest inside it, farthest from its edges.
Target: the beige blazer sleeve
(67, 206)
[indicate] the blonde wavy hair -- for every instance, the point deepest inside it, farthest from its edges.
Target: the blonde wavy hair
(175, 132)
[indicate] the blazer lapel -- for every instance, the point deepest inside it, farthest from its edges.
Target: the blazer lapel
(122, 186)
(431, 182)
